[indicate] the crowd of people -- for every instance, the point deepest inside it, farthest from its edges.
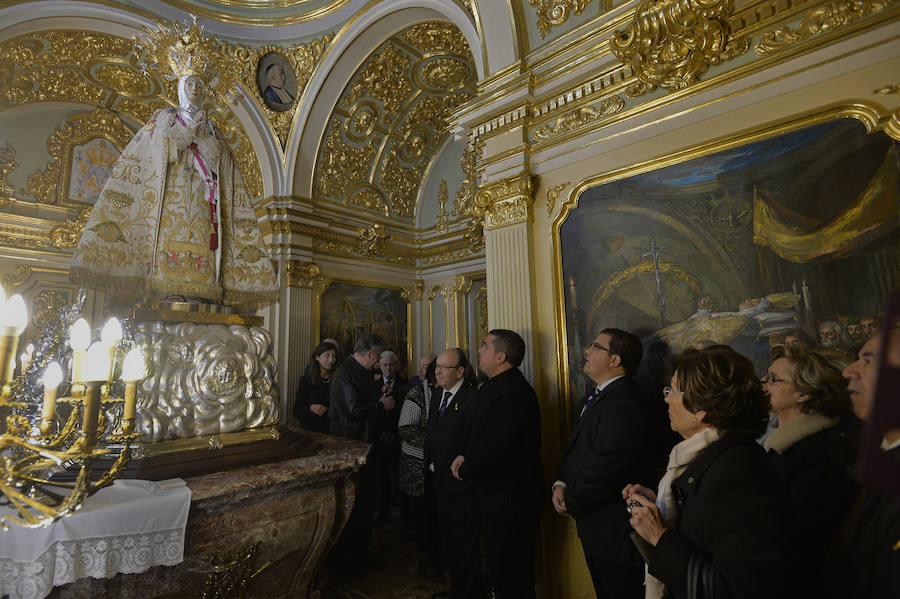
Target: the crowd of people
(758, 496)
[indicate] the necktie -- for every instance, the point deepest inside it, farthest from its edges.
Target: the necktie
(594, 395)
(445, 402)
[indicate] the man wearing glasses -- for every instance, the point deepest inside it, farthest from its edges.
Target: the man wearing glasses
(357, 412)
(608, 445)
(457, 516)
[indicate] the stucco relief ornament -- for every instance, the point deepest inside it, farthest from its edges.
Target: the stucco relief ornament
(671, 43)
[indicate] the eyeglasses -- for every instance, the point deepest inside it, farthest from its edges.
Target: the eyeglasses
(442, 367)
(771, 379)
(667, 391)
(598, 346)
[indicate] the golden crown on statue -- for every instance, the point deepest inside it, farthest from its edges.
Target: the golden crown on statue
(174, 50)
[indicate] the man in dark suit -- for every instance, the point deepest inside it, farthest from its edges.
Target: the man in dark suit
(457, 516)
(503, 459)
(390, 382)
(607, 449)
(357, 410)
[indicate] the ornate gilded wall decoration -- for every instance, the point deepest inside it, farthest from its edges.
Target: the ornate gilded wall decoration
(437, 36)
(553, 195)
(304, 274)
(440, 222)
(505, 202)
(19, 275)
(74, 153)
(392, 118)
(302, 60)
(671, 43)
(67, 234)
(372, 240)
(402, 181)
(385, 78)
(574, 119)
(47, 307)
(102, 70)
(369, 197)
(887, 90)
(555, 12)
(465, 196)
(8, 164)
(833, 15)
(474, 235)
(341, 163)
(420, 289)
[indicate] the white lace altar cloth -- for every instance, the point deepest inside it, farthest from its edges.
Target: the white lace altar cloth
(128, 527)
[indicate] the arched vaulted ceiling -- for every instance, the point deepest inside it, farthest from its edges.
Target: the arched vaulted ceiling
(391, 119)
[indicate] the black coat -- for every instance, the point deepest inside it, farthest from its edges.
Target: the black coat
(354, 408)
(447, 437)
(732, 524)
(309, 393)
(608, 450)
(821, 492)
(503, 448)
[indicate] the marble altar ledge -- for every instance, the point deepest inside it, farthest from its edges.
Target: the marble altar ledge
(267, 527)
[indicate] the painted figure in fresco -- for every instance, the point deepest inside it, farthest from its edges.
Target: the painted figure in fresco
(174, 218)
(832, 334)
(871, 326)
(855, 331)
(275, 91)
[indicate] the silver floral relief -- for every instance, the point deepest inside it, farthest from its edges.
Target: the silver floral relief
(205, 380)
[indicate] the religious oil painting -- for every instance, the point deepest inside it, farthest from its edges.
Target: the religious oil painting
(277, 81)
(793, 239)
(348, 310)
(90, 166)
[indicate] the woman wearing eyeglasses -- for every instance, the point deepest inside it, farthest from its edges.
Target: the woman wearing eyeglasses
(716, 527)
(811, 451)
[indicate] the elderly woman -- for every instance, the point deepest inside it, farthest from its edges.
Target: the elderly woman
(811, 451)
(412, 429)
(716, 526)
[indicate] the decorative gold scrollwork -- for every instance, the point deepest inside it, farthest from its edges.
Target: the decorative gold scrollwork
(19, 275)
(440, 222)
(671, 43)
(372, 240)
(304, 274)
(833, 15)
(51, 186)
(553, 195)
(507, 201)
(474, 235)
(232, 573)
(574, 119)
(556, 12)
(67, 234)
(46, 308)
(8, 164)
(465, 197)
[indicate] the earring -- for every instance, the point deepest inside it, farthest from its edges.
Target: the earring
(695, 420)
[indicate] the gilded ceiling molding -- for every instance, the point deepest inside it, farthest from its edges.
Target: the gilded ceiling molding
(671, 43)
(307, 275)
(555, 12)
(372, 240)
(553, 195)
(20, 274)
(832, 16)
(67, 234)
(51, 186)
(97, 68)
(575, 119)
(402, 181)
(303, 60)
(273, 17)
(507, 201)
(442, 197)
(8, 163)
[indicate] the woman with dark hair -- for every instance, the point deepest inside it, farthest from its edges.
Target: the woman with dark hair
(412, 429)
(716, 528)
(811, 451)
(311, 402)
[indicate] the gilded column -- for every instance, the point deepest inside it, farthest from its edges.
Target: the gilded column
(506, 205)
(299, 331)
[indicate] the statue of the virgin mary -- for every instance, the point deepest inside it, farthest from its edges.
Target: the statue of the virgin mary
(174, 218)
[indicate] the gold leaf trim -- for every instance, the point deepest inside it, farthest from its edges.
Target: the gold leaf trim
(67, 234)
(575, 119)
(553, 195)
(671, 43)
(555, 12)
(834, 15)
(304, 274)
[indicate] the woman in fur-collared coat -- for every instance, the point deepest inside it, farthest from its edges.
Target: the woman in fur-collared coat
(716, 528)
(812, 451)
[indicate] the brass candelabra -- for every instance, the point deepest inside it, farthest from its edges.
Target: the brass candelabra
(43, 449)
